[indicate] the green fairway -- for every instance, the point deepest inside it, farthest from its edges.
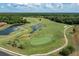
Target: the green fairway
(40, 41)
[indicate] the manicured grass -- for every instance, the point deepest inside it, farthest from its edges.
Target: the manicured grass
(48, 38)
(40, 41)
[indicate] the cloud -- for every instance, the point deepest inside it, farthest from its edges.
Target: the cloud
(77, 4)
(9, 5)
(49, 6)
(59, 5)
(41, 7)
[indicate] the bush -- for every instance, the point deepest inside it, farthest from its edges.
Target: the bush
(21, 46)
(16, 43)
(66, 51)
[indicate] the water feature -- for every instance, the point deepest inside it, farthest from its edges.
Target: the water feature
(9, 29)
(36, 27)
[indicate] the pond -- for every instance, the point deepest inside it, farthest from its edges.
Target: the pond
(10, 29)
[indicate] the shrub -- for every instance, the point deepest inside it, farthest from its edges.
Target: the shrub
(66, 51)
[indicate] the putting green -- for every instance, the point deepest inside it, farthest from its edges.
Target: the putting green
(40, 41)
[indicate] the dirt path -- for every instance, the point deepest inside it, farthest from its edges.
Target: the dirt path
(66, 43)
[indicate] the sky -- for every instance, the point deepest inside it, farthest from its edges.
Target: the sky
(38, 1)
(22, 1)
(13, 1)
(40, 7)
(36, 6)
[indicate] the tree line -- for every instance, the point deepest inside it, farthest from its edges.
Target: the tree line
(61, 18)
(13, 19)
(71, 20)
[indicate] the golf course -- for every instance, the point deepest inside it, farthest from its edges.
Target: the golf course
(38, 36)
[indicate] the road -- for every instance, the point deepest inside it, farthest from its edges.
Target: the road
(4, 54)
